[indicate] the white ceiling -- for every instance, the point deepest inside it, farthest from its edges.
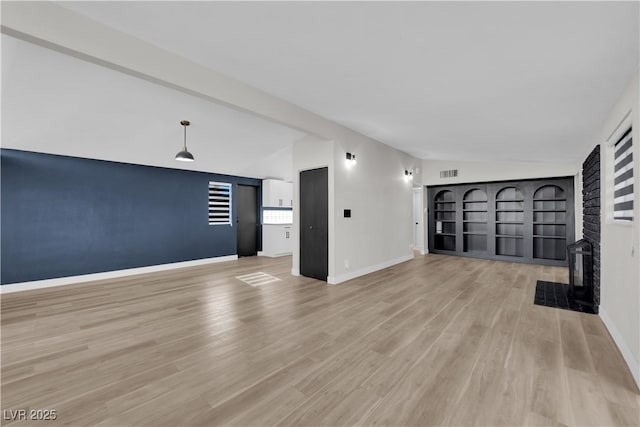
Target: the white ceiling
(58, 104)
(441, 80)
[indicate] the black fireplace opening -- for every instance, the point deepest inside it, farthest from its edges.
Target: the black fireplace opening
(579, 294)
(580, 255)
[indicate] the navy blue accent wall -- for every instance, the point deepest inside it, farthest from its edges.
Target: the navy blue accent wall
(66, 216)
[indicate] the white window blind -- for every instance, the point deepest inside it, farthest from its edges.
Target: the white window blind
(219, 203)
(623, 178)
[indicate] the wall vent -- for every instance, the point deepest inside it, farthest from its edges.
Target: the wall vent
(452, 173)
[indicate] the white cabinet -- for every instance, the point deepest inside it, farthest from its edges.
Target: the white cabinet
(276, 240)
(287, 194)
(276, 193)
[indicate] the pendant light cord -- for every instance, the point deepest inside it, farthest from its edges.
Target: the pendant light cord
(185, 137)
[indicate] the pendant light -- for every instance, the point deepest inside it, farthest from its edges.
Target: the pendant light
(185, 155)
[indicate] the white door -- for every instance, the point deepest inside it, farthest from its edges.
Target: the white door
(416, 217)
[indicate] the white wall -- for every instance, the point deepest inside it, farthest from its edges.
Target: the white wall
(379, 232)
(620, 264)
(491, 171)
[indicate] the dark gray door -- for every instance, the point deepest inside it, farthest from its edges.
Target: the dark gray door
(314, 223)
(247, 220)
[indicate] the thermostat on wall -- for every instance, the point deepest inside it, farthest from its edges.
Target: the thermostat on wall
(347, 213)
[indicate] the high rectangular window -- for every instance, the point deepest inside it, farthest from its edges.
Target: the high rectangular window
(219, 203)
(623, 178)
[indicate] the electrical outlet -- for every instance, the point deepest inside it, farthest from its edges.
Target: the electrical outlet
(346, 263)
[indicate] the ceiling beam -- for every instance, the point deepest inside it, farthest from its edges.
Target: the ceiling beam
(61, 29)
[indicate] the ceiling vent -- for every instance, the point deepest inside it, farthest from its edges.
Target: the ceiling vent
(452, 173)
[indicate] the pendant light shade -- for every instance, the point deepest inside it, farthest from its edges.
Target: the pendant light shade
(185, 155)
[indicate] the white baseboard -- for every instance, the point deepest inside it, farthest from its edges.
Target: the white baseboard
(262, 253)
(334, 280)
(88, 278)
(632, 363)
(295, 272)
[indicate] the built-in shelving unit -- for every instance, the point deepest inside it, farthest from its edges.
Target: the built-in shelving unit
(474, 209)
(445, 221)
(550, 223)
(526, 221)
(509, 222)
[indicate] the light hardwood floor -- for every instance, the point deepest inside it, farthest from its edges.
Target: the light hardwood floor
(434, 341)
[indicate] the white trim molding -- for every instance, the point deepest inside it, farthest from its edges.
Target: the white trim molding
(622, 126)
(631, 361)
(275, 255)
(280, 254)
(334, 280)
(94, 277)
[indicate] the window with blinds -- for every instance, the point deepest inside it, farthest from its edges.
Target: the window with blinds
(219, 203)
(623, 178)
